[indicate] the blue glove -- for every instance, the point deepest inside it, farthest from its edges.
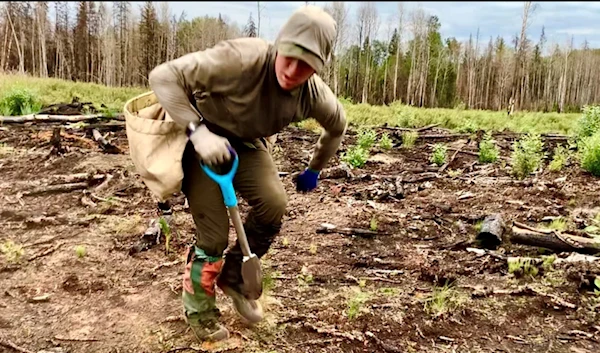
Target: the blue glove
(307, 180)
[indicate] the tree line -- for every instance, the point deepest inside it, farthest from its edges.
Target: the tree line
(118, 46)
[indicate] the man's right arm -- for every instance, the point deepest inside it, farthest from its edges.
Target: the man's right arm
(216, 69)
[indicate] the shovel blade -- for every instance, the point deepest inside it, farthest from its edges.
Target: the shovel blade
(252, 276)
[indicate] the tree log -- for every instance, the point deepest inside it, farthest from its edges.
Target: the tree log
(492, 229)
(557, 241)
(55, 141)
(54, 118)
(492, 235)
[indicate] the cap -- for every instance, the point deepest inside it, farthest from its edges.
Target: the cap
(298, 52)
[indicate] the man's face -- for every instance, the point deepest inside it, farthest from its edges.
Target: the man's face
(291, 72)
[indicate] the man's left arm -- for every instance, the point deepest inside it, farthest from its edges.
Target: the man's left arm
(329, 112)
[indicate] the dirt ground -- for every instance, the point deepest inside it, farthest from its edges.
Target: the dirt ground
(325, 292)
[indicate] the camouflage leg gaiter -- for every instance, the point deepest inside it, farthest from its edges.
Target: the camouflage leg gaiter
(198, 296)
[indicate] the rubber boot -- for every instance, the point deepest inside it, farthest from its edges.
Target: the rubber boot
(199, 301)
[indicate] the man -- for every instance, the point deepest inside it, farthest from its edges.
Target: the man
(237, 94)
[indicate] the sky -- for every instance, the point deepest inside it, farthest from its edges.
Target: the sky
(458, 19)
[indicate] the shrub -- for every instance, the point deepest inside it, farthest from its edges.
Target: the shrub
(366, 138)
(488, 152)
(589, 151)
(439, 154)
(19, 102)
(589, 122)
(527, 155)
(356, 156)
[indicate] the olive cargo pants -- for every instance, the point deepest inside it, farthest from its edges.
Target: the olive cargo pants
(256, 181)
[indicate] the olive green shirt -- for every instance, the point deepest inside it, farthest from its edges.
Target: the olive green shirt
(233, 87)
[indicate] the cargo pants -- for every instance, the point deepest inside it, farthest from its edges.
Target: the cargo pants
(256, 181)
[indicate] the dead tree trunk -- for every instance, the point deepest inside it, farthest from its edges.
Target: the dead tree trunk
(492, 235)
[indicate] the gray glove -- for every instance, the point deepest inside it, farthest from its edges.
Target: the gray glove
(212, 148)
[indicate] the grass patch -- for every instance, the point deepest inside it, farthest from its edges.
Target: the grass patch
(5, 150)
(459, 120)
(123, 225)
(48, 91)
(444, 300)
(522, 267)
(409, 138)
(52, 90)
(310, 125)
(355, 304)
(559, 224)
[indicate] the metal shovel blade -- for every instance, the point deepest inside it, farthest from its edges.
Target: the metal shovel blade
(252, 276)
(251, 270)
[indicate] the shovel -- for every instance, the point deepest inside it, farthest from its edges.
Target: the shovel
(251, 270)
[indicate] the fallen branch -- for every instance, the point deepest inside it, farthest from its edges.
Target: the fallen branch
(173, 318)
(76, 339)
(46, 252)
(8, 344)
(60, 179)
(442, 136)
(40, 242)
(421, 129)
(167, 264)
(331, 228)
(54, 118)
(56, 188)
(523, 290)
(104, 144)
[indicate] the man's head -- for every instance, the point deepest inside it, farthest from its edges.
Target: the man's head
(304, 45)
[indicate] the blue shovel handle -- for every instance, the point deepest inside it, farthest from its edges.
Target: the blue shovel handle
(225, 181)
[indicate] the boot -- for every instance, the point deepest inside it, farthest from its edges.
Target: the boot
(251, 310)
(199, 301)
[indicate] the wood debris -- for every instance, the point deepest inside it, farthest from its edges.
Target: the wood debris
(364, 233)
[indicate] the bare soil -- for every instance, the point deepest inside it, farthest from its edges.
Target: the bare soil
(326, 292)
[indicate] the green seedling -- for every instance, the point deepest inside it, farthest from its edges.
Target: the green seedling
(385, 142)
(409, 138)
(439, 154)
(12, 251)
(80, 251)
